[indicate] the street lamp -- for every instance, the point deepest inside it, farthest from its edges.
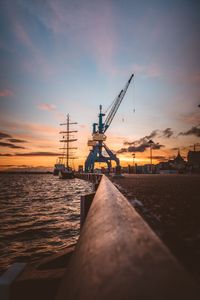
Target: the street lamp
(150, 142)
(133, 162)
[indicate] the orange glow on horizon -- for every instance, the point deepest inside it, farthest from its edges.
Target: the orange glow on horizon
(115, 143)
(49, 161)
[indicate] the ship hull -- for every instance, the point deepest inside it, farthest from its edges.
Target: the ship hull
(55, 172)
(65, 174)
(57, 168)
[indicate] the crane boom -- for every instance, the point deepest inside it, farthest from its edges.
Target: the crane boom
(116, 105)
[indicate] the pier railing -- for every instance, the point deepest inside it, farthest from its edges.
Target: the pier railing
(119, 257)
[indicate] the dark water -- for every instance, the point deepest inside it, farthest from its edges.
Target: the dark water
(39, 215)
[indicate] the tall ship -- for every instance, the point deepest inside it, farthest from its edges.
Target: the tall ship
(62, 166)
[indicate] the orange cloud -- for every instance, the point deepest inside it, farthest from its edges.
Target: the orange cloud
(6, 93)
(46, 106)
(30, 127)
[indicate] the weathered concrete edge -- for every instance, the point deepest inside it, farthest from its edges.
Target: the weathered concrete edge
(119, 257)
(8, 278)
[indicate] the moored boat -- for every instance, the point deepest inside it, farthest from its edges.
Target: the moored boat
(66, 173)
(62, 168)
(58, 167)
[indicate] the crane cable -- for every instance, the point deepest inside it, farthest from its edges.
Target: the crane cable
(134, 98)
(108, 108)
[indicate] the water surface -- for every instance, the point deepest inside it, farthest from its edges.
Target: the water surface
(39, 215)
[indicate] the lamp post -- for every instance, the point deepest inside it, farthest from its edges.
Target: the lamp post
(133, 162)
(150, 142)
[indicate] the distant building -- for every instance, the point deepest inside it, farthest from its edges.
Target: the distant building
(194, 161)
(132, 169)
(80, 168)
(176, 165)
(148, 169)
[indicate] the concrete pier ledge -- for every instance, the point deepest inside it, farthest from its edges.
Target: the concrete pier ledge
(119, 257)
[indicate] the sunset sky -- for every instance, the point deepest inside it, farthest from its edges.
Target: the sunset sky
(59, 57)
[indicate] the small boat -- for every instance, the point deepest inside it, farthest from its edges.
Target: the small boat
(62, 168)
(58, 167)
(66, 173)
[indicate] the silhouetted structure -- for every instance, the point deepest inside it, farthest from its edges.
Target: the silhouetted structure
(194, 161)
(176, 165)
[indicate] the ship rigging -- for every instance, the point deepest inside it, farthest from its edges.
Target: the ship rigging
(63, 167)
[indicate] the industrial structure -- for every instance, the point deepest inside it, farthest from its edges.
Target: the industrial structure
(98, 136)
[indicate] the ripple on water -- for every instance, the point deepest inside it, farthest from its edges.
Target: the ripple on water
(39, 214)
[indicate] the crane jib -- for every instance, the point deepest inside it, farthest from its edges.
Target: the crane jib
(130, 78)
(116, 105)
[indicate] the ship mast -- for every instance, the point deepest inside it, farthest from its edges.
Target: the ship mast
(67, 139)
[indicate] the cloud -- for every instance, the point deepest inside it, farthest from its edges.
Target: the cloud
(7, 166)
(37, 154)
(6, 93)
(167, 132)
(160, 158)
(36, 128)
(9, 138)
(142, 144)
(4, 135)
(174, 149)
(140, 148)
(24, 34)
(30, 153)
(46, 106)
(17, 141)
(144, 139)
(122, 150)
(89, 26)
(191, 118)
(195, 130)
(157, 146)
(9, 145)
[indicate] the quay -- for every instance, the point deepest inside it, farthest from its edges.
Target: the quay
(117, 256)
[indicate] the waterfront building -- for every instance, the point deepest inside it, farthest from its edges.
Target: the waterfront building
(176, 165)
(193, 158)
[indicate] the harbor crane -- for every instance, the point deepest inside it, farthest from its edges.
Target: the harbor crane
(98, 136)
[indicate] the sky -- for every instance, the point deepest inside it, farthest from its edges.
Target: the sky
(59, 57)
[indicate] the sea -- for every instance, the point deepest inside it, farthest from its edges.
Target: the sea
(39, 215)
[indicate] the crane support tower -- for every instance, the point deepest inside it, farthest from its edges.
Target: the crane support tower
(98, 136)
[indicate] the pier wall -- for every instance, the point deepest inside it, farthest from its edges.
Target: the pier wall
(92, 177)
(119, 257)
